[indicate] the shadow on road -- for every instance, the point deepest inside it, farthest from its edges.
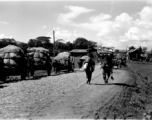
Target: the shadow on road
(18, 79)
(37, 76)
(2, 86)
(120, 84)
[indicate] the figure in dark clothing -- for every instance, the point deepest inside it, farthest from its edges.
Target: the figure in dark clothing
(90, 68)
(110, 63)
(80, 63)
(2, 70)
(107, 67)
(70, 65)
(56, 66)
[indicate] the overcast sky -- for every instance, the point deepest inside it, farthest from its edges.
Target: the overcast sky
(118, 23)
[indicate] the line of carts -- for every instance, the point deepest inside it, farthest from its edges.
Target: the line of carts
(13, 61)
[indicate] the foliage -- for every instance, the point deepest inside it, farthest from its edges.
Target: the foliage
(7, 41)
(42, 41)
(132, 48)
(82, 43)
(23, 46)
(69, 46)
(144, 49)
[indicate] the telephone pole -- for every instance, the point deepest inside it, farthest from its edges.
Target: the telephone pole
(53, 43)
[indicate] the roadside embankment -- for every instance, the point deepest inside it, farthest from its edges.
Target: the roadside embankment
(135, 97)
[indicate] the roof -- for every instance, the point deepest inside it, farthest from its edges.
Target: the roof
(133, 50)
(78, 51)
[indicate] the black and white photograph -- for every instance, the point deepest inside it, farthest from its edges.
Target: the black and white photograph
(75, 59)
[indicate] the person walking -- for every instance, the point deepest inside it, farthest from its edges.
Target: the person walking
(90, 66)
(110, 63)
(2, 71)
(107, 67)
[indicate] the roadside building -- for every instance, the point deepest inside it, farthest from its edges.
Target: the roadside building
(77, 54)
(134, 54)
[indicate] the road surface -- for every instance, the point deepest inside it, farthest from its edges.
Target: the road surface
(65, 96)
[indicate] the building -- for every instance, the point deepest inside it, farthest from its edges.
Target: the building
(78, 52)
(134, 54)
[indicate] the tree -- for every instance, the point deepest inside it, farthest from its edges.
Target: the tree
(144, 49)
(132, 48)
(92, 43)
(41, 41)
(82, 43)
(69, 46)
(7, 41)
(23, 46)
(59, 46)
(32, 43)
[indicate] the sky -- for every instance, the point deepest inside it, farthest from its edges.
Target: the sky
(110, 23)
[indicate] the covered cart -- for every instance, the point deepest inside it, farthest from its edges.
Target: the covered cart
(14, 60)
(64, 61)
(41, 59)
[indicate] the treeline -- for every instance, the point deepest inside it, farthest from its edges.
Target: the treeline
(42, 41)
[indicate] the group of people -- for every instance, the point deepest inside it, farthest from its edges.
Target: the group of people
(106, 66)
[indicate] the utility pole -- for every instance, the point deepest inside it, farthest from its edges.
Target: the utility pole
(126, 48)
(53, 43)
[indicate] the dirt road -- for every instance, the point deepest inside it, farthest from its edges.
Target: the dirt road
(63, 96)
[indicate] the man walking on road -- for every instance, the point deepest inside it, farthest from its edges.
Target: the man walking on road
(2, 70)
(90, 66)
(110, 63)
(107, 67)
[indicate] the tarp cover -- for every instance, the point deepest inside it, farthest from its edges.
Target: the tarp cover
(10, 48)
(37, 49)
(84, 57)
(62, 56)
(39, 54)
(12, 55)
